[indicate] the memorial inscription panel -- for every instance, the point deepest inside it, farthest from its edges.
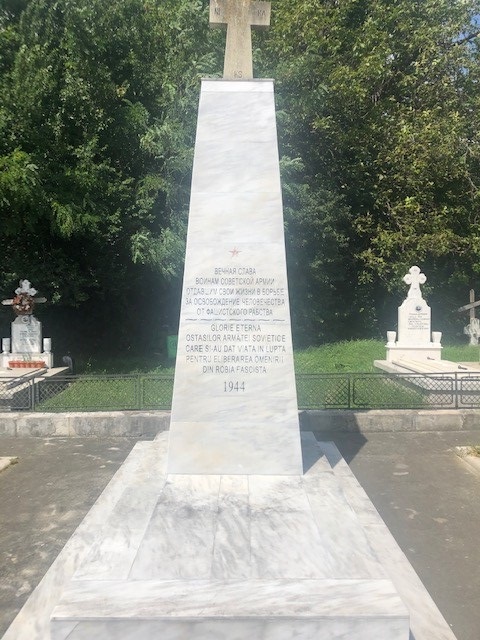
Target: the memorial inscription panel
(234, 302)
(414, 322)
(234, 407)
(26, 335)
(235, 335)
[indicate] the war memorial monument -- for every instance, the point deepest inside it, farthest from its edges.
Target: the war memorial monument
(234, 525)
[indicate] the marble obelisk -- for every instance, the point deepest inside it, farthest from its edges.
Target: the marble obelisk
(234, 404)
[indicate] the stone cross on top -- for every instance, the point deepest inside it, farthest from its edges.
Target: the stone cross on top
(414, 278)
(23, 302)
(239, 16)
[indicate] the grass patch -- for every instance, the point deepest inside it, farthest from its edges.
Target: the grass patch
(357, 391)
(461, 353)
(340, 357)
(150, 363)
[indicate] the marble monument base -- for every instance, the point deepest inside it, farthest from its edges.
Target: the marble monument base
(232, 610)
(7, 358)
(231, 557)
(431, 351)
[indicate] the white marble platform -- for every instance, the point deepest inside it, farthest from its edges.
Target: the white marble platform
(233, 556)
(347, 531)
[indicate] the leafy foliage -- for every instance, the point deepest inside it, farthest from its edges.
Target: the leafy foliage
(382, 100)
(378, 116)
(97, 117)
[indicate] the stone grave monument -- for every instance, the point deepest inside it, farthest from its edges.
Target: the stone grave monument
(234, 344)
(222, 529)
(26, 348)
(415, 338)
(472, 329)
(417, 349)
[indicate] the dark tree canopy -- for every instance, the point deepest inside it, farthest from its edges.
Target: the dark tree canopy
(378, 117)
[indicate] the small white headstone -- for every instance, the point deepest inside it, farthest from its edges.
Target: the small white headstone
(414, 315)
(26, 335)
(414, 335)
(26, 343)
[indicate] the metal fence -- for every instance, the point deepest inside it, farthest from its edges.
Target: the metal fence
(315, 391)
(388, 391)
(87, 393)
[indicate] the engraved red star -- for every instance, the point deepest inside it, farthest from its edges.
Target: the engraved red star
(234, 252)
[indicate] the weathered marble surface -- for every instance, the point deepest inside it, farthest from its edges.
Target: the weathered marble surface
(239, 18)
(234, 393)
(145, 468)
(307, 609)
(234, 556)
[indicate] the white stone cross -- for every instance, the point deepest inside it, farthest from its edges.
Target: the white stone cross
(24, 301)
(414, 278)
(472, 329)
(25, 287)
(239, 16)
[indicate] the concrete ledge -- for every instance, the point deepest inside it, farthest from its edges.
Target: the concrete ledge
(138, 424)
(134, 424)
(390, 420)
(5, 462)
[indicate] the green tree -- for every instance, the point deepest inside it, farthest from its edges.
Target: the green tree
(382, 103)
(378, 116)
(97, 117)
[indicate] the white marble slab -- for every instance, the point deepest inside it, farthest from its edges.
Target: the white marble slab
(179, 540)
(272, 609)
(235, 217)
(236, 555)
(234, 392)
(230, 558)
(261, 629)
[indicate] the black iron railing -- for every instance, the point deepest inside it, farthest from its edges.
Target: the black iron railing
(314, 391)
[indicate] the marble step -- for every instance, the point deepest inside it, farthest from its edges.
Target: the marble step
(233, 557)
(237, 610)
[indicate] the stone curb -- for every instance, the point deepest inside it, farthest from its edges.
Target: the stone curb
(134, 424)
(472, 460)
(147, 424)
(474, 463)
(391, 420)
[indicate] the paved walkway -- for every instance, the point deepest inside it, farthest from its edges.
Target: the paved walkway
(428, 496)
(43, 498)
(430, 500)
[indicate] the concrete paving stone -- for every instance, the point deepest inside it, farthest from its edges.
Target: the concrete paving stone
(471, 419)
(376, 420)
(42, 425)
(428, 497)
(43, 498)
(5, 462)
(8, 426)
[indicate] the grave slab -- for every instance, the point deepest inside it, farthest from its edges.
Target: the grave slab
(415, 340)
(143, 473)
